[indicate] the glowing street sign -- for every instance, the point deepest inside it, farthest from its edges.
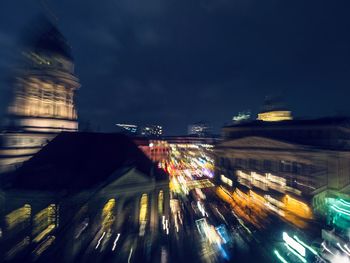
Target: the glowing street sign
(294, 244)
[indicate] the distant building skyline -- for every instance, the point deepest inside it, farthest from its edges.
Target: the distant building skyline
(199, 128)
(128, 128)
(160, 73)
(242, 116)
(151, 130)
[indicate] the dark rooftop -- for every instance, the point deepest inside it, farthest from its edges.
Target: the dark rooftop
(74, 161)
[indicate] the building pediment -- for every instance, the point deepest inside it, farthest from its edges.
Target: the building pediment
(258, 142)
(131, 178)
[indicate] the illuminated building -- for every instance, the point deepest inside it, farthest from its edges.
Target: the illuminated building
(128, 128)
(337, 211)
(241, 116)
(200, 129)
(226, 180)
(274, 110)
(197, 151)
(302, 159)
(156, 150)
(151, 131)
(275, 116)
(44, 93)
(78, 179)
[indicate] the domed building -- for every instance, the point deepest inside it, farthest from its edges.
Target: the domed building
(44, 97)
(274, 111)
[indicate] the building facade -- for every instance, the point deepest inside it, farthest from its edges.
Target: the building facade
(43, 103)
(79, 187)
(133, 204)
(298, 160)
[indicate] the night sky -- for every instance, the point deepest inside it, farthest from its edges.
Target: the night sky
(175, 62)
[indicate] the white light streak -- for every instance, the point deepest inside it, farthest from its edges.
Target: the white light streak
(342, 249)
(325, 248)
(130, 255)
(99, 241)
(115, 242)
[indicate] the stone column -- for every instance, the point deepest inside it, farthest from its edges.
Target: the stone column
(166, 197)
(153, 211)
(137, 210)
(120, 217)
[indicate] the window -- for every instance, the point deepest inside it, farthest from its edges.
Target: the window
(253, 163)
(296, 168)
(226, 180)
(286, 166)
(143, 208)
(267, 165)
(160, 202)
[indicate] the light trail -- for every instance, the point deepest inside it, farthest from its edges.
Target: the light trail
(325, 248)
(280, 257)
(347, 248)
(130, 255)
(99, 241)
(308, 247)
(115, 242)
(342, 249)
(344, 202)
(295, 253)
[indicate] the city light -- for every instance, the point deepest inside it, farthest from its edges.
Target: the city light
(327, 249)
(344, 202)
(342, 249)
(130, 254)
(275, 116)
(295, 253)
(161, 162)
(308, 247)
(115, 242)
(44, 245)
(143, 214)
(226, 180)
(17, 248)
(107, 214)
(340, 210)
(294, 244)
(100, 239)
(280, 257)
(18, 216)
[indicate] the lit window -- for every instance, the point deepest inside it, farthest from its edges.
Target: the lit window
(226, 180)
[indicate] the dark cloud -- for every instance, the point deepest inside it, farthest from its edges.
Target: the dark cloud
(174, 62)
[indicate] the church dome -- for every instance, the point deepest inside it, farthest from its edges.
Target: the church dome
(44, 37)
